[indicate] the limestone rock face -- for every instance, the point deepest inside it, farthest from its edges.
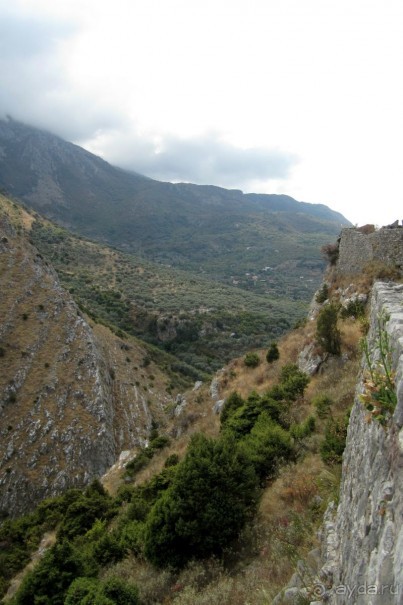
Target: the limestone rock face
(66, 409)
(309, 360)
(362, 547)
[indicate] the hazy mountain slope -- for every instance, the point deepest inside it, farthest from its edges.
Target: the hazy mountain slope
(71, 396)
(221, 232)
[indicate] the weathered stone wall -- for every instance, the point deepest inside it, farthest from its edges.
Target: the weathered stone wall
(363, 540)
(357, 249)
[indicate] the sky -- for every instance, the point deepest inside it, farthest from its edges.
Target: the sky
(302, 97)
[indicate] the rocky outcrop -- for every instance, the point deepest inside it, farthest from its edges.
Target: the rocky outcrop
(362, 548)
(69, 403)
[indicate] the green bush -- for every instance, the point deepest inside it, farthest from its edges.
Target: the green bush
(322, 404)
(323, 294)
(332, 447)
(114, 591)
(267, 446)
(251, 360)
(355, 308)
(232, 403)
(81, 514)
(82, 590)
(293, 381)
(273, 353)
(211, 497)
(132, 537)
(304, 429)
(140, 461)
(119, 592)
(327, 332)
(47, 584)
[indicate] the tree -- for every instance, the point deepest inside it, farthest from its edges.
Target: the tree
(212, 495)
(50, 579)
(327, 333)
(232, 403)
(273, 353)
(267, 445)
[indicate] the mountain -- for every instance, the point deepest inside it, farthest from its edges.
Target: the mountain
(259, 242)
(73, 394)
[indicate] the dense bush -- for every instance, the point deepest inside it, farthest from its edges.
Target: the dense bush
(48, 583)
(322, 294)
(79, 517)
(322, 404)
(267, 446)
(251, 360)
(88, 591)
(327, 332)
(232, 403)
(332, 447)
(273, 353)
(212, 495)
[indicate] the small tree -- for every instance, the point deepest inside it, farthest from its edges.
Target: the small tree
(273, 353)
(251, 360)
(327, 333)
(211, 497)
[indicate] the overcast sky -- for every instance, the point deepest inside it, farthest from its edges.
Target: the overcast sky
(303, 97)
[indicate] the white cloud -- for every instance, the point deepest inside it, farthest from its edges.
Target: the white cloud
(272, 80)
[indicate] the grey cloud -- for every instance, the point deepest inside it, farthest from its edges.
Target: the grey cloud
(33, 85)
(35, 90)
(200, 160)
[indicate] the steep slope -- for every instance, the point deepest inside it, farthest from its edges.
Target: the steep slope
(71, 396)
(223, 233)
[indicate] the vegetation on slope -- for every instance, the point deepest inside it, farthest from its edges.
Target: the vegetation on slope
(174, 534)
(202, 323)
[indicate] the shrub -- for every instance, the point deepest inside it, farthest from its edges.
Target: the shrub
(209, 501)
(273, 353)
(355, 308)
(322, 404)
(327, 332)
(267, 446)
(331, 252)
(232, 403)
(48, 582)
(251, 360)
(132, 537)
(112, 591)
(304, 429)
(323, 294)
(140, 461)
(293, 381)
(119, 592)
(332, 447)
(83, 512)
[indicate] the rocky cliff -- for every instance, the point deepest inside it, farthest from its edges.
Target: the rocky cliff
(363, 539)
(70, 398)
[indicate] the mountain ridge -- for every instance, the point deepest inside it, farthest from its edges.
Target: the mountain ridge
(201, 228)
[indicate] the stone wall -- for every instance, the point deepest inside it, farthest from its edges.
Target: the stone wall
(357, 249)
(362, 549)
